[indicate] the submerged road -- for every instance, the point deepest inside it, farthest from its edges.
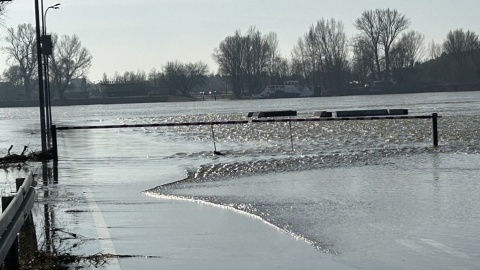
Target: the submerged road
(151, 233)
(115, 217)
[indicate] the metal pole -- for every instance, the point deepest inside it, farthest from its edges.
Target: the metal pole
(41, 92)
(291, 135)
(46, 79)
(213, 137)
(435, 129)
(54, 142)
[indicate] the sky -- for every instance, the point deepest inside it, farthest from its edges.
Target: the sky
(126, 35)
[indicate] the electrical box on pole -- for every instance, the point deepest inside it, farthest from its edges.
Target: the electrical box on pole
(47, 45)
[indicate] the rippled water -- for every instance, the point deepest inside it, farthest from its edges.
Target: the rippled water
(345, 187)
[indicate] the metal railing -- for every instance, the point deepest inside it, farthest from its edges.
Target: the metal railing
(16, 210)
(433, 116)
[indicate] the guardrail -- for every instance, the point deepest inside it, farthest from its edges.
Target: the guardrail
(16, 209)
(319, 118)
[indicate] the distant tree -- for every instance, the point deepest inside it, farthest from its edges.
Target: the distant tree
(321, 56)
(277, 67)
(392, 23)
(260, 50)
(369, 41)
(131, 77)
(69, 60)
(363, 63)
(460, 43)
(300, 64)
(13, 76)
(381, 27)
(3, 9)
(408, 50)
(462, 47)
(155, 77)
(246, 58)
(434, 50)
(231, 57)
(105, 79)
(22, 54)
(184, 77)
(406, 54)
(333, 46)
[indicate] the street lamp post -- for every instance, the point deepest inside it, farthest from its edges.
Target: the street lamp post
(47, 50)
(41, 92)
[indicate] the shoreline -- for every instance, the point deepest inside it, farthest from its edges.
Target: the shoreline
(171, 98)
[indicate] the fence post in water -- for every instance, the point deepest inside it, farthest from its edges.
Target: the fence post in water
(213, 138)
(54, 142)
(435, 129)
(291, 135)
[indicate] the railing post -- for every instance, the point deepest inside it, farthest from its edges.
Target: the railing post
(12, 260)
(54, 142)
(435, 129)
(19, 182)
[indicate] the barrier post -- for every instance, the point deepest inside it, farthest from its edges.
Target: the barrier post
(54, 142)
(435, 129)
(291, 135)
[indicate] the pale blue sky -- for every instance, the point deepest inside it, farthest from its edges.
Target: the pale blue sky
(126, 35)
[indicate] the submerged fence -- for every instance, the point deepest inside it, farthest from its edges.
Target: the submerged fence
(374, 115)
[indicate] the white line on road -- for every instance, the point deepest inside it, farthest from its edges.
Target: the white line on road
(444, 248)
(410, 244)
(102, 230)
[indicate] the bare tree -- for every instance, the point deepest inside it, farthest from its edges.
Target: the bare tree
(363, 61)
(3, 10)
(69, 60)
(369, 25)
(461, 44)
(392, 23)
(299, 60)
(22, 54)
(12, 75)
(408, 50)
(463, 47)
(262, 50)
(332, 41)
(184, 77)
(231, 57)
(155, 77)
(434, 50)
(321, 56)
(406, 54)
(247, 58)
(381, 27)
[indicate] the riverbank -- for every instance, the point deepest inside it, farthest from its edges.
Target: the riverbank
(92, 101)
(175, 98)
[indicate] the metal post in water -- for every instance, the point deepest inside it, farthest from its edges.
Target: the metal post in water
(41, 92)
(54, 142)
(291, 135)
(435, 129)
(213, 137)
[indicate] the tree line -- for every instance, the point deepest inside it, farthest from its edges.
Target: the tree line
(324, 59)
(384, 49)
(69, 60)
